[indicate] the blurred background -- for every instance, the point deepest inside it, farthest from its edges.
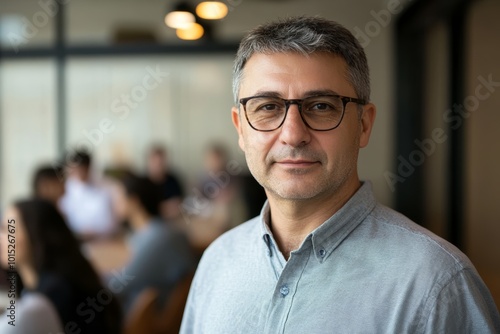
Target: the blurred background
(111, 77)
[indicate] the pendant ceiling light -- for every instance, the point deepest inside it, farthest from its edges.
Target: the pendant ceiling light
(181, 17)
(191, 26)
(193, 32)
(211, 10)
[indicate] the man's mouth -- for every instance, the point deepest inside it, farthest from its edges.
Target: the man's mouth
(296, 163)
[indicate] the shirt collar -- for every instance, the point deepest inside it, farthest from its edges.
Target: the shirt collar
(335, 229)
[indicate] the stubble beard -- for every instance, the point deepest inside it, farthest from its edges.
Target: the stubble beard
(323, 184)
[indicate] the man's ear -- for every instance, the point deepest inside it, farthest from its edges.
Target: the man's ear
(237, 124)
(367, 120)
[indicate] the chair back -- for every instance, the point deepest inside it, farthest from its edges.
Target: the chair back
(144, 317)
(171, 315)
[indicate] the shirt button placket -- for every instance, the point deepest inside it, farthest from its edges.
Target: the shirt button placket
(284, 290)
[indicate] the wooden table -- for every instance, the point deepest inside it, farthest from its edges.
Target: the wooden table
(107, 255)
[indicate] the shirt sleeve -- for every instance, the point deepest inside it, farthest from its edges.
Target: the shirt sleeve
(463, 305)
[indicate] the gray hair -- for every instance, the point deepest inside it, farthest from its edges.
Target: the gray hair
(305, 35)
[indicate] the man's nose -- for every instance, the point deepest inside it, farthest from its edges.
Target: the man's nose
(294, 131)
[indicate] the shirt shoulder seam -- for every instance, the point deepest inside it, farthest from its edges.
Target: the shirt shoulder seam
(457, 261)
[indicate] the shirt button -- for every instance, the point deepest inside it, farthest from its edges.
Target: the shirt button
(322, 252)
(284, 290)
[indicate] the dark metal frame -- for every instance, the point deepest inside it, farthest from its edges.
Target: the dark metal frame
(411, 27)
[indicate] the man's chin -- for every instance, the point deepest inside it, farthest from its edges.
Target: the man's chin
(296, 193)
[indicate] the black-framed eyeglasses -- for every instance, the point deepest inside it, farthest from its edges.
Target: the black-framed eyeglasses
(320, 113)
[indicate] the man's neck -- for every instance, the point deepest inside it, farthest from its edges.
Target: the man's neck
(292, 220)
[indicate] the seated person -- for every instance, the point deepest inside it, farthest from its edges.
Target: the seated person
(48, 183)
(216, 203)
(158, 171)
(87, 206)
(161, 256)
(61, 290)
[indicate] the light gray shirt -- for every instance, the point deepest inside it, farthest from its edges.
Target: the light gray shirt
(367, 269)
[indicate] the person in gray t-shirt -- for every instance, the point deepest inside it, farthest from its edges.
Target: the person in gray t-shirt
(323, 256)
(160, 255)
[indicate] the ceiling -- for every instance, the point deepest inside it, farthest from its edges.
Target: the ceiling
(96, 21)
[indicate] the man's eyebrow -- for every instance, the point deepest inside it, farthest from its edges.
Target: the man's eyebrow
(309, 93)
(320, 92)
(267, 93)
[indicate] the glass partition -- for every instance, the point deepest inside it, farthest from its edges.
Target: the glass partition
(27, 123)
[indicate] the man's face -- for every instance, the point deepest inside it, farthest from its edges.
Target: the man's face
(80, 172)
(295, 162)
(51, 189)
(157, 164)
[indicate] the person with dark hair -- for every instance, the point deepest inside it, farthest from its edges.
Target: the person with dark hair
(48, 183)
(160, 255)
(62, 292)
(87, 206)
(323, 256)
(217, 185)
(159, 172)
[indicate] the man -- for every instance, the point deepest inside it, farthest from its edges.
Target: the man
(159, 172)
(323, 256)
(48, 183)
(87, 206)
(161, 256)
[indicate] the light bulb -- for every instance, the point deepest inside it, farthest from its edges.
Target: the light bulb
(179, 19)
(192, 32)
(211, 10)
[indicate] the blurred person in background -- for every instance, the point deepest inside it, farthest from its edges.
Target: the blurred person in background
(216, 203)
(48, 183)
(160, 255)
(61, 290)
(216, 183)
(88, 207)
(159, 172)
(233, 184)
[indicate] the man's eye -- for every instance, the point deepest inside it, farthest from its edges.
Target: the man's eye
(321, 106)
(269, 107)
